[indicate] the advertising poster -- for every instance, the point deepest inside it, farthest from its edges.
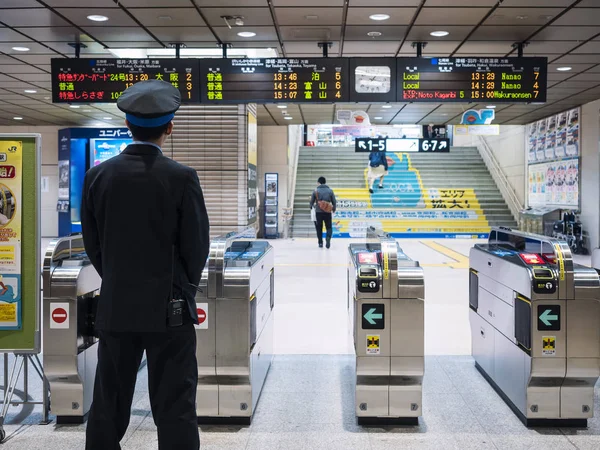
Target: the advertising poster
(252, 168)
(10, 234)
(531, 142)
(103, 149)
(540, 153)
(561, 135)
(64, 173)
(550, 138)
(554, 183)
(271, 184)
(572, 148)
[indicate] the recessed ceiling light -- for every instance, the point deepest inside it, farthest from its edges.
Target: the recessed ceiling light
(374, 33)
(288, 117)
(439, 33)
(379, 17)
(30, 91)
(246, 34)
(522, 17)
(282, 106)
(564, 69)
(378, 118)
(21, 49)
(491, 106)
(107, 118)
(444, 114)
(18, 118)
(74, 106)
(97, 18)
(386, 106)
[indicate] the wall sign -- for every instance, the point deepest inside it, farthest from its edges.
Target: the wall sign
(366, 145)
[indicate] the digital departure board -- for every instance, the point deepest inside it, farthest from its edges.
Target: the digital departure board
(468, 79)
(285, 80)
(104, 80)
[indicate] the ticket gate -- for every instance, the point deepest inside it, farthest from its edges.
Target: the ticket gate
(386, 307)
(71, 285)
(535, 326)
(235, 303)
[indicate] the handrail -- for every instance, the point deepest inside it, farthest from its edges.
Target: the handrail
(507, 191)
(292, 196)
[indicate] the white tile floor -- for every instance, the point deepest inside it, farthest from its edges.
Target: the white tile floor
(307, 402)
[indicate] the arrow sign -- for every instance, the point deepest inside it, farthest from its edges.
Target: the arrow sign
(548, 317)
(373, 316)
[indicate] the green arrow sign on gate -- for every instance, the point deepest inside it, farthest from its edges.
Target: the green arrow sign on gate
(547, 317)
(372, 316)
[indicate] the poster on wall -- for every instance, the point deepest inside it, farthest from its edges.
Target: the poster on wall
(540, 154)
(572, 148)
(554, 183)
(531, 142)
(252, 167)
(10, 234)
(561, 135)
(550, 138)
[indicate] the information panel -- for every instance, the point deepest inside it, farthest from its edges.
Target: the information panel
(104, 80)
(441, 80)
(284, 80)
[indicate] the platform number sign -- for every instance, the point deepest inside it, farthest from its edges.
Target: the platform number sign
(548, 318)
(370, 145)
(373, 316)
(434, 145)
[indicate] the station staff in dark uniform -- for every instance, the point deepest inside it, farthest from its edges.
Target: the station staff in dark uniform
(146, 231)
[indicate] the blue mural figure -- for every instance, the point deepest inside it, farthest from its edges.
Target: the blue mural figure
(401, 186)
(7, 294)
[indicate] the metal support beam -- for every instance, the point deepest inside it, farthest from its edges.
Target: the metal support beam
(325, 46)
(177, 46)
(419, 46)
(520, 46)
(77, 46)
(224, 46)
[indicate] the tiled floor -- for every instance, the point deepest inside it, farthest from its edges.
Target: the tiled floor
(307, 402)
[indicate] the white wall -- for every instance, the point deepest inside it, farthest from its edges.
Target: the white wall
(589, 171)
(49, 169)
(509, 150)
(273, 158)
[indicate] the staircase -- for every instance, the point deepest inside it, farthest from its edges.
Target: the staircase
(424, 195)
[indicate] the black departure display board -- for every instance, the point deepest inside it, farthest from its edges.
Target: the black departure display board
(285, 80)
(469, 79)
(104, 80)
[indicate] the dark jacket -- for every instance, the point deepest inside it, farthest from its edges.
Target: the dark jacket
(325, 194)
(377, 159)
(146, 232)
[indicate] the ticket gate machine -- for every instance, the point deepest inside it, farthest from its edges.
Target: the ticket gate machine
(235, 303)
(535, 326)
(71, 285)
(386, 307)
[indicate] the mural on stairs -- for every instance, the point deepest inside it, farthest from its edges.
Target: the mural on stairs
(406, 208)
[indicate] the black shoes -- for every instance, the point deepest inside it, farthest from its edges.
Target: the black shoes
(320, 245)
(371, 191)
(328, 245)
(381, 186)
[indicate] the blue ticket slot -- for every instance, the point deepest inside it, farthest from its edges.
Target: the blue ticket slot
(78, 150)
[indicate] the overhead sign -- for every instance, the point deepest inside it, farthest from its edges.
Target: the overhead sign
(373, 316)
(470, 79)
(104, 80)
(59, 316)
(440, 145)
(548, 318)
(370, 145)
(287, 80)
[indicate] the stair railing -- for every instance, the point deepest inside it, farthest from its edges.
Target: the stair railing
(508, 193)
(291, 193)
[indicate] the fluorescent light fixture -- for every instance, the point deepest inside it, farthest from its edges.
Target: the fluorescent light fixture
(440, 33)
(86, 110)
(21, 49)
(378, 118)
(282, 106)
(374, 33)
(30, 91)
(564, 69)
(522, 17)
(146, 53)
(107, 118)
(246, 34)
(491, 106)
(18, 118)
(386, 106)
(97, 18)
(74, 106)
(288, 117)
(379, 17)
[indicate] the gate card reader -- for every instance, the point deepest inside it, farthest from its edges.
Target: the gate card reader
(235, 303)
(535, 326)
(386, 310)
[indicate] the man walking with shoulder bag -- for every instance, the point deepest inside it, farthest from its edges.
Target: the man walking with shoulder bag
(324, 202)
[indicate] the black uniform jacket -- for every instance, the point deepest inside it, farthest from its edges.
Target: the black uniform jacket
(145, 229)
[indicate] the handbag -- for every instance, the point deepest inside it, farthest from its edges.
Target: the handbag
(323, 205)
(313, 214)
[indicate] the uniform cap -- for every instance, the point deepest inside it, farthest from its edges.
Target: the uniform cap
(150, 103)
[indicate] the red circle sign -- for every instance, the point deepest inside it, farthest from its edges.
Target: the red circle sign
(201, 315)
(59, 315)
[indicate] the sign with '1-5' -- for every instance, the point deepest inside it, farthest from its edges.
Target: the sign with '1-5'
(370, 145)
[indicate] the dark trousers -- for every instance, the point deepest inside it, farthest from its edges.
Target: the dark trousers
(172, 380)
(324, 218)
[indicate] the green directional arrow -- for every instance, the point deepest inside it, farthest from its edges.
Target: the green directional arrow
(372, 317)
(547, 317)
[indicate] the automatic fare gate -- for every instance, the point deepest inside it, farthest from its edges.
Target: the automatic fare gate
(71, 285)
(235, 336)
(535, 325)
(386, 305)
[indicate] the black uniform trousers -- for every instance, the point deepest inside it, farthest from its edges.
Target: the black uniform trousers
(324, 218)
(172, 381)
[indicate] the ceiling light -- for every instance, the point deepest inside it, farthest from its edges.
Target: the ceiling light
(374, 33)
(491, 106)
(21, 49)
(386, 106)
(239, 21)
(97, 18)
(86, 110)
(378, 118)
(282, 106)
(246, 34)
(30, 91)
(564, 69)
(18, 118)
(379, 17)
(107, 118)
(288, 117)
(440, 33)
(74, 106)
(46, 98)
(522, 17)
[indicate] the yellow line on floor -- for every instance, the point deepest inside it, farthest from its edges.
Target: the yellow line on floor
(461, 261)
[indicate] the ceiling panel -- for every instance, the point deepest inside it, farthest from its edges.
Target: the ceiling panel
(173, 17)
(311, 33)
(554, 33)
(292, 3)
(359, 33)
(523, 16)
(262, 34)
(579, 17)
(309, 16)
(31, 18)
(421, 33)
(451, 16)
(252, 16)
(398, 16)
(180, 34)
(117, 17)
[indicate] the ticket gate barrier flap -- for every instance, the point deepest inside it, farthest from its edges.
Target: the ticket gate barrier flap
(235, 344)
(388, 329)
(535, 320)
(71, 285)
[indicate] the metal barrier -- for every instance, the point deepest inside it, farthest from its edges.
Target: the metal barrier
(535, 325)
(386, 308)
(235, 335)
(71, 285)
